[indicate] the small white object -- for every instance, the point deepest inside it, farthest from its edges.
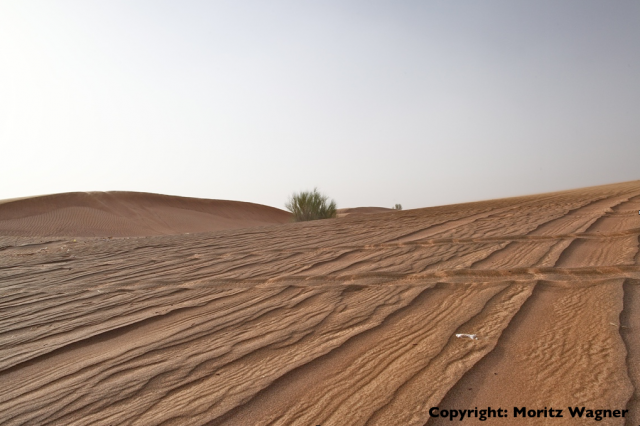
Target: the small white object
(469, 336)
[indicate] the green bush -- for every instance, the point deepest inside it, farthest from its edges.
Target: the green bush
(397, 207)
(311, 205)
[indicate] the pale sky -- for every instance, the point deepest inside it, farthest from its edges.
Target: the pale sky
(374, 102)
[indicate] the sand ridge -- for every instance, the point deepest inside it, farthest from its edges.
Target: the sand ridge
(351, 211)
(119, 214)
(345, 321)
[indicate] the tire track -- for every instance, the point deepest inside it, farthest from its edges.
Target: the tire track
(568, 370)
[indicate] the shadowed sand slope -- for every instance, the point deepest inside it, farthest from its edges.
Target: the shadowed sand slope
(128, 214)
(363, 320)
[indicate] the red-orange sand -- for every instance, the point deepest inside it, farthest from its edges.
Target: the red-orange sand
(119, 214)
(361, 210)
(368, 319)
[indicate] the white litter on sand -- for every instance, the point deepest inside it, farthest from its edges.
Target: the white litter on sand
(469, 336)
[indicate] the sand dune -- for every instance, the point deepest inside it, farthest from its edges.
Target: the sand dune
(369, 319)
(128, 214)
(361, 210)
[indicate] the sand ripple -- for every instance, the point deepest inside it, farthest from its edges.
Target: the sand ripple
(346, 321)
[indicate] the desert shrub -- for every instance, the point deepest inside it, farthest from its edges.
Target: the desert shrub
(311, 205)
(397, 207)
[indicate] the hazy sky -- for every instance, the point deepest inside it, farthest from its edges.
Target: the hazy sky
(374, 102)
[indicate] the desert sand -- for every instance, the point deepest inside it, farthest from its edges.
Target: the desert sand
(120, 214)
(368, 319)
(352, 211)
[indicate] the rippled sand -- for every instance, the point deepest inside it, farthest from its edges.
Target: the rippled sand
(349, 321)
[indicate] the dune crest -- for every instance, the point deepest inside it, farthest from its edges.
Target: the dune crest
(120, 214)
(354, 211)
